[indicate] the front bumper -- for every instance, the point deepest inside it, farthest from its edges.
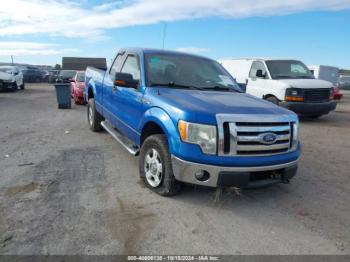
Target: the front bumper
(5, 84)
(223, 176)
(304, 108)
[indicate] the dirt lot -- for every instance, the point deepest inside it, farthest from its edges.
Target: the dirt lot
(66, 190)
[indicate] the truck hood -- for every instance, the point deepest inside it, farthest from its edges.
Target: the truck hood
(5, 76)
(306, 83)
(203, 106)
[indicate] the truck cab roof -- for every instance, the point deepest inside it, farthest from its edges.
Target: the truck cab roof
(142, 51)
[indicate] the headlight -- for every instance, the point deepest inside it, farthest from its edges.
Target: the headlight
(294, 95)
(295, 138)
(199, 134)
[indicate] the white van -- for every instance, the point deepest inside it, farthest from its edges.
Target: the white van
(327, 73)
(288, 83)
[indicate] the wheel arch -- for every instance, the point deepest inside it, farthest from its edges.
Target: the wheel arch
(269, 95)
(90, 92)
(157, 121)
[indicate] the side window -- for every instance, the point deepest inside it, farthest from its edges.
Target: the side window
(115, 65)
(257, 65)
(131, 66)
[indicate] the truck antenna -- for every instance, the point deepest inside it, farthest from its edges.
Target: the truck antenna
(164, 34)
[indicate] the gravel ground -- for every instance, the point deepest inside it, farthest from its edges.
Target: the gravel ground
(67, 190)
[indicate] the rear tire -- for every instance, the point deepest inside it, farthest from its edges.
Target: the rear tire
(314, 116)
(272, 99)
(94, 117)
(156, 168)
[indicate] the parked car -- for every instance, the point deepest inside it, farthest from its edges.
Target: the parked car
(32, 74)
(65, 76)
(189, 121)
(344, 82)
(288, 83)
(11, 78)
(337, 94)
(77, 87)
(53, 75)
(327, 73)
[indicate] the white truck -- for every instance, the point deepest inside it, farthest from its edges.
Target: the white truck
(11, 78)
(288, 83)
(327, 73)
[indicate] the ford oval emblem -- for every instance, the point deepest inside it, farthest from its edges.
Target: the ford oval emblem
(268, 138)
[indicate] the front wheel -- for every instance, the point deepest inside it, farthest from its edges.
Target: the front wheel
(314, 116)
(94, 117)
(22, 86)
(155, 166)
(14, 87)
(272, 99)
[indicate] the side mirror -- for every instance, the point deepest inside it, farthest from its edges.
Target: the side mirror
(15, 73)
(259, 73)
(125, 80)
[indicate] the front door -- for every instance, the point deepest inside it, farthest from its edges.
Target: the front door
(126, 102)
(256, 85)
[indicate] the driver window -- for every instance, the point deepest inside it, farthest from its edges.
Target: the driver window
(257, 65)
(131, 66)
(115, 65)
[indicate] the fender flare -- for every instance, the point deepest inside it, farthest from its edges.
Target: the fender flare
(161, 118)
(89, 85)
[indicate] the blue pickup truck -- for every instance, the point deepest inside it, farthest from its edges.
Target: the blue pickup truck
(189, 122)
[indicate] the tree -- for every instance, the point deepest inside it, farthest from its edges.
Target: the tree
(57, 67)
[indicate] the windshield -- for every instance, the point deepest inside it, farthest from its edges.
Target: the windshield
(288, 69)
(6, 69)
(344, 78)
(67, 73)
(186, 71)
(80, 77)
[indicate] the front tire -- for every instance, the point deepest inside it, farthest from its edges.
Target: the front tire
(14, 87)
(272, 99)
(22, 86)
(314, 116)
(94, 117)
(156, 168)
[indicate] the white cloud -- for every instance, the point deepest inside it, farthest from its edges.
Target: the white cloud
(192, 49)
(72, 19)
(8, 48)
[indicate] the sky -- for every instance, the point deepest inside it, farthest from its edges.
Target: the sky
(42, 31)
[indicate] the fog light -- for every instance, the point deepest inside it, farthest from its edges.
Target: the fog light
(202, 175)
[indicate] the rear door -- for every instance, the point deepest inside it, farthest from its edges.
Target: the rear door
(256, 85)
(109, 110)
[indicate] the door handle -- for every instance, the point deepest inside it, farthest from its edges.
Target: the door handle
(114, 88)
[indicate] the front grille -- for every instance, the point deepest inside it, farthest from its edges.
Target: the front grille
(243, 135)
(317, 95)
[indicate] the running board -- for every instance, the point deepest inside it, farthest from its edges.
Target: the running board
(124, 141)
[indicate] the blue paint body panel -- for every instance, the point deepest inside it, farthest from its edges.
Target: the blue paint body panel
(129, 110)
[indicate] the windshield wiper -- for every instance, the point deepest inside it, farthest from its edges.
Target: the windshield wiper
(173, 84)
(306, 77)
(222, 88)
(284, 76)
(217, 88)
